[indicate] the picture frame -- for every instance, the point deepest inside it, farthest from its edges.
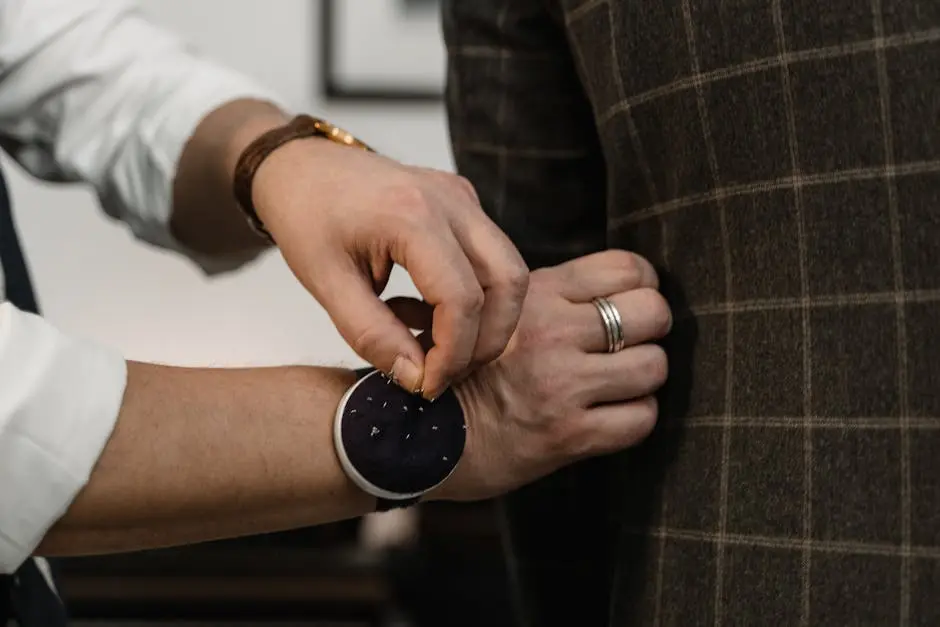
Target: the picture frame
(384, 50)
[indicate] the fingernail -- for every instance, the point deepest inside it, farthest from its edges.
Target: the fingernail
(433, 395)
(406, 374)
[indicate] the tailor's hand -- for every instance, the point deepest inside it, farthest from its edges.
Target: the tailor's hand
(342, 217)
(555, 395)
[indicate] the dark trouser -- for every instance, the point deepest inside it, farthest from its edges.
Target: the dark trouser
(27, 598)
(779, 162)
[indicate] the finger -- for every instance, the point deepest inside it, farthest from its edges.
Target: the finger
(619, 426)
(443, 274)
(632, 373)
(503, 276)
(416, 314)
(644, 316)
(371, 328)
(603, 274)
(426, 341)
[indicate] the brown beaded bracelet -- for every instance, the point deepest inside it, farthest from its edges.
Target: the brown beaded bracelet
(253, 156)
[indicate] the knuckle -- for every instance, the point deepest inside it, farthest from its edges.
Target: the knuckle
(514, 279)
(663, 318)
(649, 407)
(624, 262)
(366, 344)
(657, 365)
(409, 200)
(657, 310)
(470, 300)
(631, 269)
(465, 184)
(647, 415)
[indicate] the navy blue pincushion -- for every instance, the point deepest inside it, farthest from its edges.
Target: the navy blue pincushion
(398, 443)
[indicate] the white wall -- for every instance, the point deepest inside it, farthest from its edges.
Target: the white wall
(95, 280)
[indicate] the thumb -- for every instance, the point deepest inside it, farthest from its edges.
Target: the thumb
(371, 328)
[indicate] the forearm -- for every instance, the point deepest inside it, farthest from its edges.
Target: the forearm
(205, 216)
(201, 454)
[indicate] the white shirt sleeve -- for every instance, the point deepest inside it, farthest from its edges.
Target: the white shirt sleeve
(91, 91)
(59, 401)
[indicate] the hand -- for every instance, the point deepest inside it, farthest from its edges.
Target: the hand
(555, 395)
(342, 217)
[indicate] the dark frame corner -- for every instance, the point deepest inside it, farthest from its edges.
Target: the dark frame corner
(333, 91)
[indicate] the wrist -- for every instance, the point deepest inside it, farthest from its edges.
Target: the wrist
(273, 175)
(479, 399)
(251, 125)
(205, 217)
(253, 188)
(394, 445)
(233, 126)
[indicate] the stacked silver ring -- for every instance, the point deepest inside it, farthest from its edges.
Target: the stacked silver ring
(613, 324)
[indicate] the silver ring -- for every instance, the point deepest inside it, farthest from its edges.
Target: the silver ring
(613, 324)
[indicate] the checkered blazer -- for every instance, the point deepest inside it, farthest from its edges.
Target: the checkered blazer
(779, 161)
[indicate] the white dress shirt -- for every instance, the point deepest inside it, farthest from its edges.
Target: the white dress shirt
(89, 91)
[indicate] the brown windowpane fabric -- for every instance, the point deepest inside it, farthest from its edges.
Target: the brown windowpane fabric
(780, 163)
